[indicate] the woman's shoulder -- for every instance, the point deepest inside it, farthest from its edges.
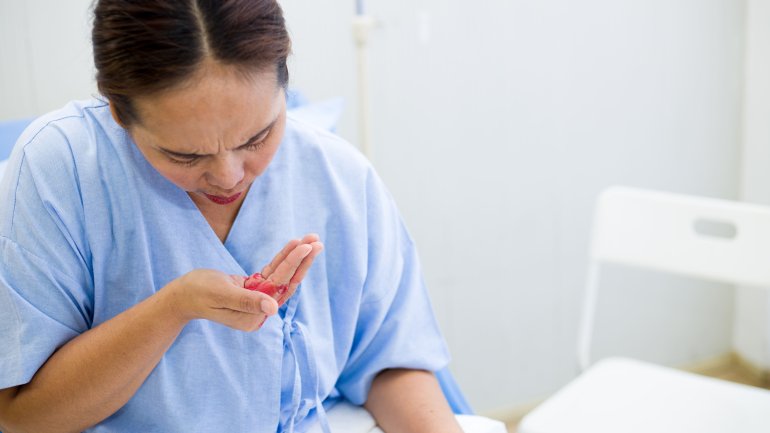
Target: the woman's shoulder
(75, 124)
(52, 155)
(324, 149)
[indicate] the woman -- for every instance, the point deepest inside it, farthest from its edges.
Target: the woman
(134, 220)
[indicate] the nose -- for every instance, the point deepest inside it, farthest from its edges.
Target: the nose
(225, 172)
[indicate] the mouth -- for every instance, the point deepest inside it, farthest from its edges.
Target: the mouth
(223, 200)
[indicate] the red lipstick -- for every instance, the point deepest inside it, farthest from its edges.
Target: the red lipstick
(223, 200)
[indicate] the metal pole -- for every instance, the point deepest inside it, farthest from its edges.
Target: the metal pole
(362, 25)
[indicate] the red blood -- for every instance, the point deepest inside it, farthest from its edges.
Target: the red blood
(278, 292)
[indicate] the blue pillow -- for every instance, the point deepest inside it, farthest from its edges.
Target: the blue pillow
(325, 114)
(10, 130)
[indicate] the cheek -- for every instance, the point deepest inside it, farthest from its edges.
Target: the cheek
(257, 162)
(256, 165)
(185, 178)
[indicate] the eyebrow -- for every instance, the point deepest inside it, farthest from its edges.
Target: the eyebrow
(262, 132)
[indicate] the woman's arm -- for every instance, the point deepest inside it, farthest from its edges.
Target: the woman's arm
(95, 374)
(410, 401)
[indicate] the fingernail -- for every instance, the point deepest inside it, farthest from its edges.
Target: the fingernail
(267, 307)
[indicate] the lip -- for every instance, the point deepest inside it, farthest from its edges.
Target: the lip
(223, 200)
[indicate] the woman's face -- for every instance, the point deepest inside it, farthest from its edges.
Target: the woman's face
(213, 135)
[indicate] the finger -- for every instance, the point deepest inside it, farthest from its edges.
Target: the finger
(281, 256)
(247, 301)
(288, 266)
(310, 238)
(240, 320)
(238, 280)
(299, 274)
(270, 268)
(269, 306)
(305, 265)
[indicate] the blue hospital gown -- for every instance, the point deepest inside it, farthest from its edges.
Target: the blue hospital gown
(88, 228)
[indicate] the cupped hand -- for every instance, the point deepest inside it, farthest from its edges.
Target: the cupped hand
(216, 296)
(289, 267)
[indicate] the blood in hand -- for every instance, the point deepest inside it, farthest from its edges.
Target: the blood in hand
(279, 292)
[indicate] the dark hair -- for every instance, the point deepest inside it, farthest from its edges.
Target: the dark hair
(143, 47)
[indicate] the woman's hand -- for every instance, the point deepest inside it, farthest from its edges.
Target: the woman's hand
(279, 270)
(213, 295)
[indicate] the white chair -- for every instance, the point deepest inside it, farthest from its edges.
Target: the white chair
(707, 238)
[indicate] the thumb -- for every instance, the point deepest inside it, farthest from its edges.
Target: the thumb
(238, 280)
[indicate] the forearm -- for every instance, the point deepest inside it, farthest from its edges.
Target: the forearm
(95, 374)
(406, 401)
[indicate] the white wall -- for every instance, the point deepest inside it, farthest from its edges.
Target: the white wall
(752, 321)
(495, 125)
(45, 55)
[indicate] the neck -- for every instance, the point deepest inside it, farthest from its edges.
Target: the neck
(219, 217)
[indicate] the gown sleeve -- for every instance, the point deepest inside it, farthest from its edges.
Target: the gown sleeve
(396, 326)
(45, 295)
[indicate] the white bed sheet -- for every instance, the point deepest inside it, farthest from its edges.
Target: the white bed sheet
(348, 418)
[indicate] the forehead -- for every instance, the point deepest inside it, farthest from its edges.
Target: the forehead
(219, 104)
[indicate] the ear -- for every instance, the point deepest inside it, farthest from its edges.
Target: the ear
(115, 115)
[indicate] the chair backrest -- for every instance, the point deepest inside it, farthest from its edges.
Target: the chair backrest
(701, 237)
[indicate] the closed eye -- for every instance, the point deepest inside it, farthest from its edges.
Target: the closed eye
(256, 142)
(253, 145)
(191, 159)
(186, 161)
